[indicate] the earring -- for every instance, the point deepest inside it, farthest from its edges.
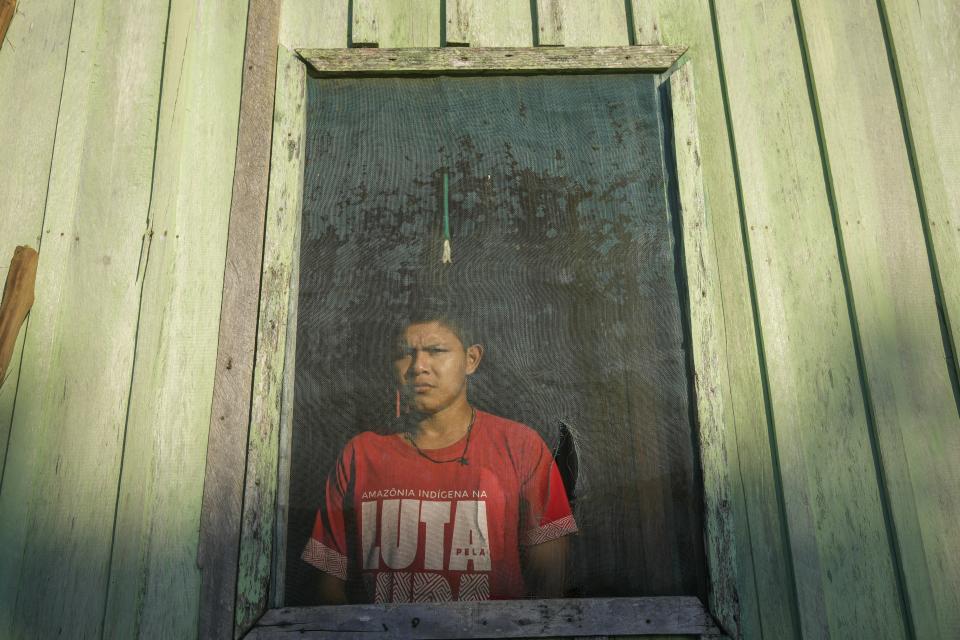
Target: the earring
(398, 404)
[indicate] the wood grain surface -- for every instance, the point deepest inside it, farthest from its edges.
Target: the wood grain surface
(708, 347)
(59, 491)
(302, 23)
(549, 23)
(476, 23)
(230, 414)
(570, 23)
(497, 60)
(284, 211)
(364, 23)
(765, 580)
(501, 619)
(395, 23)
(922, 37)
(892, 288)
(309, 23)
(154, 578)
(284, 455)
(29, 104)
(844, 568)
(79, 136)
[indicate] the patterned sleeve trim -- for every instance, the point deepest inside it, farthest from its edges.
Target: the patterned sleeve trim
(550, 531)
(324, 558)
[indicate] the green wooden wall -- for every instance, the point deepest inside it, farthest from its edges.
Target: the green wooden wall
(828, 134)
(118, 136)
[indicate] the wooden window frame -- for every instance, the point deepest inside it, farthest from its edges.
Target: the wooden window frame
(243, 542)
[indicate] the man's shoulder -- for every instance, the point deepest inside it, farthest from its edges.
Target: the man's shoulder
(508, 429)
(367, 440)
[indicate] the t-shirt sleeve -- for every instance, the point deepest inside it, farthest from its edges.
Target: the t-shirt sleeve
(547, 513)
(327, 547)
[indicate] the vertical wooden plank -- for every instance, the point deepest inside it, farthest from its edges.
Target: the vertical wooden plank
(765, 582)
(485, 24)
(303, 23)
(459, 19)
(283, 221)
(154, 580)
(59, 488)
(31, 80)
(319, 24)
(892, 287)
(278, 576)
(708, 350)
(364, 26)
(230, 412)
(601, 23)
(844, 571)
(396, 23)
(549, 21)
(923, 39)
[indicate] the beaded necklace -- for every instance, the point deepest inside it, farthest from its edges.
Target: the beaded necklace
(462, 458)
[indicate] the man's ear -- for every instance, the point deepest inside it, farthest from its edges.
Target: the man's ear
(474, 356)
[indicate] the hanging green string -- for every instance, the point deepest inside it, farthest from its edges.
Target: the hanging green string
(447, 252)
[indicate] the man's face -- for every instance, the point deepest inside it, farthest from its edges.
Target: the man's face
(432, 365)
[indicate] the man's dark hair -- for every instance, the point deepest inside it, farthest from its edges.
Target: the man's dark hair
(425, 309)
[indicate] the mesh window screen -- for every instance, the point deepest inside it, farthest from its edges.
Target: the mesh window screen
(565, 263)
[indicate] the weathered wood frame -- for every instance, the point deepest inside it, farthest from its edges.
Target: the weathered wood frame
(259, 571)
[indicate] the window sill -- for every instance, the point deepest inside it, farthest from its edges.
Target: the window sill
(671, 615)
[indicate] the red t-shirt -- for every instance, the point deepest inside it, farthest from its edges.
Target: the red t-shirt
(420, 531)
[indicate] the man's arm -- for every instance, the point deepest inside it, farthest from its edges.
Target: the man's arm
(545, 567)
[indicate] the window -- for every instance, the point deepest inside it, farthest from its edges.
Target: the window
(571, 258)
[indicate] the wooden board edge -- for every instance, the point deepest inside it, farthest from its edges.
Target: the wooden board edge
(278, 575)
(681, 615)
(490, 60)
(765, 595)
(222, 501)
(708, 341)
(282, 224)
(819, 434)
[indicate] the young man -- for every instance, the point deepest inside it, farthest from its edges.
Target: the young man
(460, 505)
